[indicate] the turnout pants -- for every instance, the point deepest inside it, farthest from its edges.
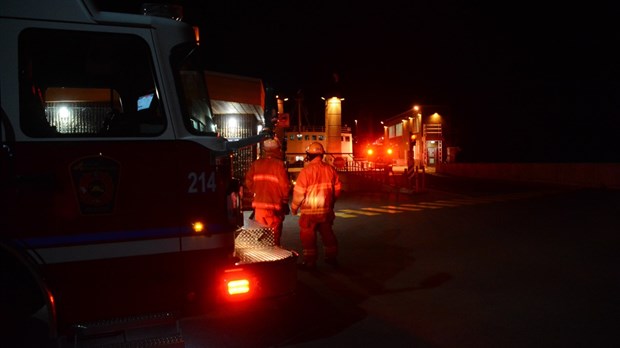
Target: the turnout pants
(309, 227)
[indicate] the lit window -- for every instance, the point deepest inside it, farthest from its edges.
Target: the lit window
(103, 101)
(399, 130)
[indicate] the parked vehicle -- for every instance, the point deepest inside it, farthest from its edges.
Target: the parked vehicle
(116, 194)
(379, 156)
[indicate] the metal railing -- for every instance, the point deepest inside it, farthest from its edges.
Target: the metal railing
(344, 162)
(382, 175)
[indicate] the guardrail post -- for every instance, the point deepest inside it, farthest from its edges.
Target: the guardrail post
(417, 180)
(410, 173)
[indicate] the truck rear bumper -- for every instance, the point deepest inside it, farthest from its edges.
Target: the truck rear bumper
(272, 269)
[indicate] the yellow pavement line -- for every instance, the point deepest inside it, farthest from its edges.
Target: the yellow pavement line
(367, 213)
(401, 208)
(440, 205)
(423, 206)
(344, 215)
(391, 211)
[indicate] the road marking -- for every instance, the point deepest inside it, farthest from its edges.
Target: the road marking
(401, 208)
(391, 211)
(344, 215)
(361, 212)
(422, 206)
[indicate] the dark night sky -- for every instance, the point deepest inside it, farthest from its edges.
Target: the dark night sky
(522, 81)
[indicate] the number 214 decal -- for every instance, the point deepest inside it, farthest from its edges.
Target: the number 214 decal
(198, 182)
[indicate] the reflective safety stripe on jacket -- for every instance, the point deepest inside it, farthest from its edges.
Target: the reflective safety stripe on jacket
(316, 189)
(268, 180)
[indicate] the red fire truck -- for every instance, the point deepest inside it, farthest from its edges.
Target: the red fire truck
(379, 156)
(117, 202)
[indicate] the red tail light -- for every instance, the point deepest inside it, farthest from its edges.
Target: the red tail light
(237, 284)
(237, 287)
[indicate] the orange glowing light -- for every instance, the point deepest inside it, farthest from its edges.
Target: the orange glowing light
(197, 35)
(369, 152)
(198, 227)
(389, 151)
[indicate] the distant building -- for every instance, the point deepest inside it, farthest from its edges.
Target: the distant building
(415, 136)
(335, 138)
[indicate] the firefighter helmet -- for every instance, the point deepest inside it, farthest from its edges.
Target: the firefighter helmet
(315, 149)
(271, 145)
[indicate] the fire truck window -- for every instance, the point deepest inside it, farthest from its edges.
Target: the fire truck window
(88, 85)
(33, 117)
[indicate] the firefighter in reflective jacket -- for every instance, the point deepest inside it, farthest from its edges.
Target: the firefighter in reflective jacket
(268, 180)
(314, 195)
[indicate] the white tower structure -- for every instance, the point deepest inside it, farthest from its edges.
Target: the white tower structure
(333, 125)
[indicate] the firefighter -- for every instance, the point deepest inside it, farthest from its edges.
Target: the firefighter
(268, 180)
(314, 195)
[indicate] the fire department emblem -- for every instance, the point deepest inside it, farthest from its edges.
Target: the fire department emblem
(95, 180)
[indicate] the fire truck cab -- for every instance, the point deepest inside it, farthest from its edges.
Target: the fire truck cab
(117, 198)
